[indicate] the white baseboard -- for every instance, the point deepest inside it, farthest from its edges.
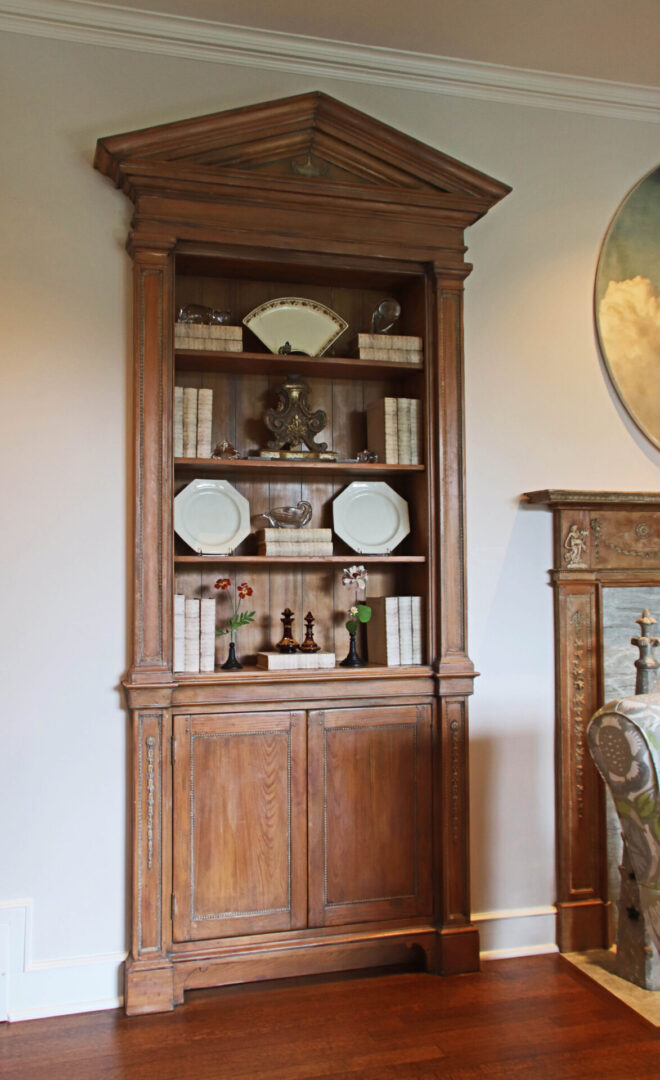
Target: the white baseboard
(31, 989)
(39, 988)
(516, 932)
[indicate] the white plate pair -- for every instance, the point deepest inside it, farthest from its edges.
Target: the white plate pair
(213, 518)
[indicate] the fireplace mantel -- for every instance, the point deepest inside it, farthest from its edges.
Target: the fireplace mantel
(601, 539)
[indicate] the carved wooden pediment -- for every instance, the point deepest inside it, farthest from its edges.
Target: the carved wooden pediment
(310, 138)
(308, 166)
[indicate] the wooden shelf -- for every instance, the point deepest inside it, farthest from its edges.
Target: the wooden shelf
(256, 466)
(343, 367)
(269, 560)
(250, 672)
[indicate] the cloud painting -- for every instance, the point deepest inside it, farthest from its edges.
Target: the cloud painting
(627, 302)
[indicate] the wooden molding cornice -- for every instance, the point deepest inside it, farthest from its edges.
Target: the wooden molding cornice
(197, 39)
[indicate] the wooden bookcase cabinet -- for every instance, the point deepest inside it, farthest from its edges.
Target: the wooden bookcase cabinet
(300, 822)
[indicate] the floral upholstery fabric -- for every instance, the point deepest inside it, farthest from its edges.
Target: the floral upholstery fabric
(624, 740)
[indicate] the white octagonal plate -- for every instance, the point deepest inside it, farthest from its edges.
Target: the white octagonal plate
(211, 516)
(370, 517)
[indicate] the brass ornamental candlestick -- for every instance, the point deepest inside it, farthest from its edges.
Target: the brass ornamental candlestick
(294, 422)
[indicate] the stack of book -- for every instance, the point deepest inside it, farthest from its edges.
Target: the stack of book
(394, 633)
(394, 430)
(210, 338)
(193, 422)
(390, 348)
(294, 541)
(194, 633)
(297, 661)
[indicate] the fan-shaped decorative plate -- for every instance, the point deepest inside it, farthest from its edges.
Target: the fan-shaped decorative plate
(211, 516)
(293, 324)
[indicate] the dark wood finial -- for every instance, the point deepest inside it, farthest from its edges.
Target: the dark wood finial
(646, 664)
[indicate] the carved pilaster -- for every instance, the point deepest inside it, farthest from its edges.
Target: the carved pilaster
(449, 476)
(452, 894)
(580, 861)
(153, 285)
(148, 830)
(458, 940)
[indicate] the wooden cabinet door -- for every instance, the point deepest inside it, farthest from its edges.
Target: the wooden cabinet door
(239, 824)
(369, 814)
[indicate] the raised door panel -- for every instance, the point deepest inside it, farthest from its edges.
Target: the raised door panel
(239, 824)
(369, 814)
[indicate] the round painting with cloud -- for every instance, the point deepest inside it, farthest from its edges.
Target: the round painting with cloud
(627, 304)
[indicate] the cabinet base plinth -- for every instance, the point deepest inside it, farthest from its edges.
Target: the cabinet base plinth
(457, 951)
(414, 949)
(158, 986)
(148, 987)
(583, 925)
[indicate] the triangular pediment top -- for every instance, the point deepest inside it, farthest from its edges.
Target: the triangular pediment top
(312, 136)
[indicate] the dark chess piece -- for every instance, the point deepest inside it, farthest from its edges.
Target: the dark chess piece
(287, 643)
(309, 645)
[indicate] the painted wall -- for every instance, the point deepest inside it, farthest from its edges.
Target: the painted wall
(539, 413)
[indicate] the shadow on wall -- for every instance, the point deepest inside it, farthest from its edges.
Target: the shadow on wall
(511, 820)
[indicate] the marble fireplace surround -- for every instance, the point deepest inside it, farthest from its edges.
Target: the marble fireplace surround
(604, 541)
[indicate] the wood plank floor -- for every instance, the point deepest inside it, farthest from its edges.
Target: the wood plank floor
(534, 1018)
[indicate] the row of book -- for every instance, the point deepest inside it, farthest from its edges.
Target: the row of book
(294, 541)
(194, 633)
(297, 661)
(394, 636)
(394, 632)
(211, 338)
(390, 348)
(193, 422)
(394, 431)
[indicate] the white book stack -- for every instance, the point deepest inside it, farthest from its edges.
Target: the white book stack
(179, 631)
(405, 630)
(178, 421)
(415, 431)
(383, 430)
(193, 422)
(207, 634)
(416, 617)
(209, 338)
(189, 421)
(383, 631)
(204, 422)
(298, 661)
(194, 633)
(403, 418)
(393, 430)
(191, 635)
(390, 348)
(394, 632)
(294, 541)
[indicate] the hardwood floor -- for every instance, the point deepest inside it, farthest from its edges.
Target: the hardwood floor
(534, 1018)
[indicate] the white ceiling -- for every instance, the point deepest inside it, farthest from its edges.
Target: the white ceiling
(617, 40)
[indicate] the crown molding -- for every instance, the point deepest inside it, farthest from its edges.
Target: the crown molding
(113, 26)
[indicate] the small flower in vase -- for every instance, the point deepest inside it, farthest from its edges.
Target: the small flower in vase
(236, 620)
(355, 577)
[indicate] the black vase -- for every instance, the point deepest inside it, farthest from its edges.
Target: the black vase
(352, 659)
(231, 663)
